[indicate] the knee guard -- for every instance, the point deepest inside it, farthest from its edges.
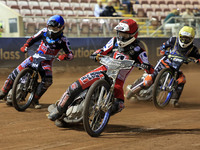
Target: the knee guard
(148, 81)
(74, 90)
(181, 79)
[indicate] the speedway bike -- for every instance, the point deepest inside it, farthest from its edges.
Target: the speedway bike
(99, 98)
(92, 107)
(27, 81)
(143, 94)
(166, 81)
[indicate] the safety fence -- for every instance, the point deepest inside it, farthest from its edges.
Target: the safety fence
(11, 56)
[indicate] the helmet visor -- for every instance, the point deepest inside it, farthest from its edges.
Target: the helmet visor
(54, 29)
(185, 39)
(122, 36)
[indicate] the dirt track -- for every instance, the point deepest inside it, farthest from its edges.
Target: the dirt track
(140, 126)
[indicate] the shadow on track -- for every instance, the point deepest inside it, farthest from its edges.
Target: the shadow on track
(129, 131)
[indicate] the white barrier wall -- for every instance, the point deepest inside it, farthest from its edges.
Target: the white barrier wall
(12, 22)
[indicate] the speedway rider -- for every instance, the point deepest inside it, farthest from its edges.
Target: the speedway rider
(181, 45)
(124, 46)
(52, 41)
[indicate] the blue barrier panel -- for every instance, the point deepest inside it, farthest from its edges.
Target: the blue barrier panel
(11, 56)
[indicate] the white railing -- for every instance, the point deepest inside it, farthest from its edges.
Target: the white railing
(172, 29)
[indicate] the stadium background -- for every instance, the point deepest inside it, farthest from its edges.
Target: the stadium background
(139, 126)
(10, 54)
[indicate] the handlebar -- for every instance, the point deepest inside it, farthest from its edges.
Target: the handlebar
(185, 60)
(40, 55)
(99, 57)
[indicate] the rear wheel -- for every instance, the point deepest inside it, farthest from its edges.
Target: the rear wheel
(96, 115)
(162, 90)
(22, 92)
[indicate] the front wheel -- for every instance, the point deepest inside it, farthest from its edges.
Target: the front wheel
(96, 115)
(163, 88)
(22, 94)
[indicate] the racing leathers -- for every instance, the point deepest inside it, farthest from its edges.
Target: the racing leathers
(45, 47)
(172, 47)
(132, 52)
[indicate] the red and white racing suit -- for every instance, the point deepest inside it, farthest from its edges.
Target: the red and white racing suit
(46, 66)
(132, 52)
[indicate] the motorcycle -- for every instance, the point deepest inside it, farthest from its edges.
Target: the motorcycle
(25, 84)
(93, 106)
(165, 83)
(99, 98)
(143, 94)
(134, 92)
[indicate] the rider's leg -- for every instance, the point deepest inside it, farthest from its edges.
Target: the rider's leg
(118, 103)
(41, 89)
(46, 82)
(66, 99)
(75, 89)
(6, 87)
(10, 80)
(9, 83)
(136, 87)
(176, 95)
(117, 106)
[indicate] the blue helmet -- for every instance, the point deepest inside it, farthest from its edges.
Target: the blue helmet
(55, 27)
(56, 21)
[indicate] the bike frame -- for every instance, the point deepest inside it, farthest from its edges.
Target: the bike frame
(114, 66)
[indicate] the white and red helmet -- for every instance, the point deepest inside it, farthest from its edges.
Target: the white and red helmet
(130, 27)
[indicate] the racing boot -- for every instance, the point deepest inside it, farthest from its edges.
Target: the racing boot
(9, 98)
(175, 103)
(2, 95)
(118, 106)
(60, 123)
(56, 113)
(176, 95)
(36, 102)
(6, 88)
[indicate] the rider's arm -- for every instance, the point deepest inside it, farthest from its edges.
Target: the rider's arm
(32, 40)
(143, 59)
(104, 51)
(167, 45)
(195, 54)
(107, 48)
(67, 49)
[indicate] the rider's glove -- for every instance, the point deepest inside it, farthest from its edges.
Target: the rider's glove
(62, 57)
(24, 49)
(95, 57)
(162, 52)
(197, 60)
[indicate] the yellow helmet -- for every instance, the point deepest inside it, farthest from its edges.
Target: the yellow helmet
(186, 36)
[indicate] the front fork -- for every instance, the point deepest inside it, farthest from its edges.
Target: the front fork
(33, 81)
(171, 86)
(105, 103)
